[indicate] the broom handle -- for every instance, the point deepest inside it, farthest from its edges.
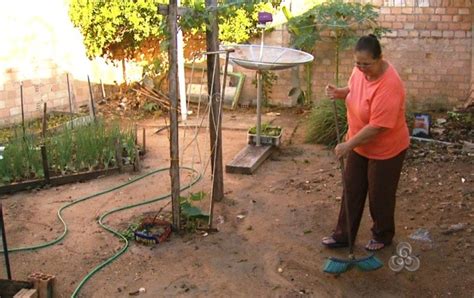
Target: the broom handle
(341, 166)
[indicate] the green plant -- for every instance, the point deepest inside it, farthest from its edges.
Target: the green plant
(193, 216)
(321, 126)
(87, 147)
(150, 107)
(303, 37)
(269, 78)
(267, 130)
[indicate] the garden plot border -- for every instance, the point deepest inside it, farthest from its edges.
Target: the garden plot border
(61, 180)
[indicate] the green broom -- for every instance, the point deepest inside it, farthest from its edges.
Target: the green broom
(336, 265)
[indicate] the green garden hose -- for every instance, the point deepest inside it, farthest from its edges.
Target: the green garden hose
(101, 219)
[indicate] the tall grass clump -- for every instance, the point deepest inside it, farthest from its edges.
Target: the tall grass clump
(321, 126)
(21, 159)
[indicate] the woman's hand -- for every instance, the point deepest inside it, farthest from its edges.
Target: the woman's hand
(336, 93)
(342, 149)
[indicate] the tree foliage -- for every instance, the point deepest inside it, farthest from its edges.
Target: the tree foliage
(118, 29)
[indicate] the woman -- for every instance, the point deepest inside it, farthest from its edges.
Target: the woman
(375, 145)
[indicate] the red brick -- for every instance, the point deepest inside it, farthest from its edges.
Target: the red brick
(425, 33)
(389, 18)
(401, 18)
(428, 10)
(423, 18)
(409, 26)
(420, 26)
(436, 33)
(465, 26)
(402, 33)
(435, 18)
(452, 10)
(429, 85)
(440, 10)
(465, 11)
(457, 18)
(407, 10)
(414, 33)
(396, 10)
(455, 26)
(432, 25)
(411, 18)
(446, 18)
(441, 26)
(385, 10)
(397, 25)
(448, 34)
(418, 10)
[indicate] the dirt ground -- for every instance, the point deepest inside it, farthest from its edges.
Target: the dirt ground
(270, 226)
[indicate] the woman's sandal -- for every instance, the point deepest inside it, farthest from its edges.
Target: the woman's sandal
(375, 245)
(330, 242)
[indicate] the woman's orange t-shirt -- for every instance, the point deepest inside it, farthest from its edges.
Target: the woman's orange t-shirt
(380, 103)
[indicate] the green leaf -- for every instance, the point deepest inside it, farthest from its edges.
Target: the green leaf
(192, 212)
(197, 196)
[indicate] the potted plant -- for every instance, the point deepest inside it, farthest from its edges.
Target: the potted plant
(269, 135)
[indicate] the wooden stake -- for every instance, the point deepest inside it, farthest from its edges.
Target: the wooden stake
(4, 244)
(103, 89)
(144, 140)
(92, 98)
(70, 98)
(45, 121)
(118, 155)
(22, 109)
(44, 154)
(173, 90)
(44, 157)
(213, 85)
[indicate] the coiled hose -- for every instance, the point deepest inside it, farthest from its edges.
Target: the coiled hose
(196, 178)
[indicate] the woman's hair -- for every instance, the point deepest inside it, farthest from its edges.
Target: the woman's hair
(370, 44)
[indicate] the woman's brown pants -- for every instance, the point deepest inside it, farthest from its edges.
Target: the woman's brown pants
(379, 179)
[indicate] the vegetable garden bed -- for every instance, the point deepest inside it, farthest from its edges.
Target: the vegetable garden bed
(66, 155)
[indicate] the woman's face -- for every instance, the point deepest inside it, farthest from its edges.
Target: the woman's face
(364, 61)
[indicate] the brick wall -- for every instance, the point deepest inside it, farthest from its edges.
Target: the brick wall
(431, 47)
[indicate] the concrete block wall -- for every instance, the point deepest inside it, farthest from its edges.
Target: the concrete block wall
(41, 49)
(51, 89)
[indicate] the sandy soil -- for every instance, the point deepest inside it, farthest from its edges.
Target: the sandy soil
(271, 249)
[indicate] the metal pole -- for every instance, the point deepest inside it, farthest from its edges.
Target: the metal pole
(259, 99)
(4, 242)
(173, 94)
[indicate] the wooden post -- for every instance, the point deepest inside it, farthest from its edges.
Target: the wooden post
(173, 94)
(215, 117)
(45, 121)
(44, 154)
(69, 97)
(44, 158)
(118, 154)
(22, 109)
(103, 89)
(144, 140)
(92, 98)
(4, 244)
